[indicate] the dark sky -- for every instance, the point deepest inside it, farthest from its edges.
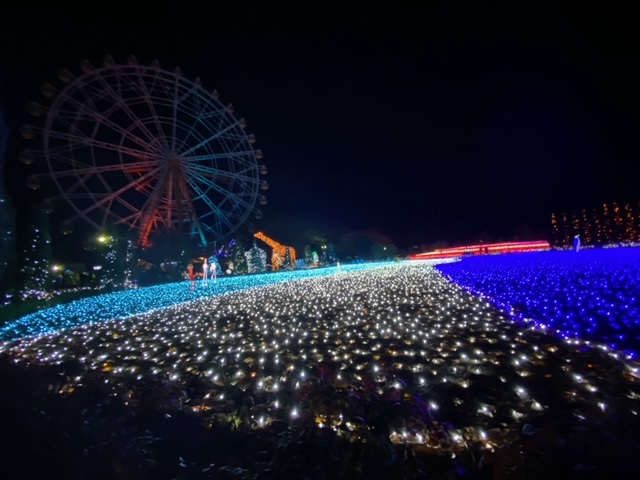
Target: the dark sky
(420, 121)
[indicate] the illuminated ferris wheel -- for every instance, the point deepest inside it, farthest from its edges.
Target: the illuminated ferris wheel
(146, 148)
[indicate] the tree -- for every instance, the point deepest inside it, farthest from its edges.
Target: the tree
(288, 261)
(256, 259)
(332, 255)
(214, 260)
(377, 251)
(323, 255)
(239, 259)
(108, 248)
(130, 261)
(308, 256)
(35, 264)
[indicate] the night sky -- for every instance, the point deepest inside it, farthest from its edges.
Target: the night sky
(412, 123)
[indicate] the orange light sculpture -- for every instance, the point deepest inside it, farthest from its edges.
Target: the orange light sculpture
(279, 251)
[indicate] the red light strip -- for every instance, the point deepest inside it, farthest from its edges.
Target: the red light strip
(508, 247)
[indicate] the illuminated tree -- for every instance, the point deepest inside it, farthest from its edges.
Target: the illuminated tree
(108, 246)
(239, 259)
(308, 256)
(607, 222)
(636, 224)
(256, 259)
(629, 233)
(587, 227)
(575, 223)
(332, 255)
(599, 227)
(555, 231)
(618, 234)
(287, 262)
(35, 262)
(567, 238)
(129, 261)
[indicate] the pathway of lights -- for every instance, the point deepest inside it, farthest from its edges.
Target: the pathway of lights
(398, 348)
(124, 304)
(593, 294)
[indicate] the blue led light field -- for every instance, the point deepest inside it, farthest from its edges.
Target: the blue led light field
(119, 305)
(593, 294)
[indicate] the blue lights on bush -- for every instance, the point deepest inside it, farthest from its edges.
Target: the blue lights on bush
(593, 295)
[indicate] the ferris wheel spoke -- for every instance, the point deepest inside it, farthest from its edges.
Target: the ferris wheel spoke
(164, 84)
(213, 121)
(154, 114)
(118, 192)
(199, 120)
(118, 102)
(218, 174)
(191, 91)
(70, 116)
(67, 160)
(219, 114)
(91, 142)
(100, 118)
(217, 156)
(220, 215)
(174, 123)
(80, 182)
(229, 196)
(205, 181)
(131, 219)
(135, 167)
(208, 139)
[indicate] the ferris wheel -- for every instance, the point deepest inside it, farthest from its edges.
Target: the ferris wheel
(146, 148)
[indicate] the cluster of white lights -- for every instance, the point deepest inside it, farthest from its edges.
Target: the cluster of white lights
(324, 350)
(124, 304)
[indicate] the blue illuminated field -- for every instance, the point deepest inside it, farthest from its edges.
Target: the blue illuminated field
(124, 304)
(593, 294)
(398, 355)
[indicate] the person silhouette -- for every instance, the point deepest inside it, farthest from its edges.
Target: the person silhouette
(205, 272)
(576, 243)
(192, 277)
(213, 269)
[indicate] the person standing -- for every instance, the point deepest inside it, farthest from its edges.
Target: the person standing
(576, 243)
(205, 272)
(213, 269)
(192, 277)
